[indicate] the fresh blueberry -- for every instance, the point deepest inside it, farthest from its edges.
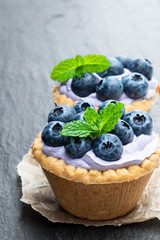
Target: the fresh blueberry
(79, 116)
(81, 106)
(124, 131)
(140, 122)
(124, 60)
(84, 86)
(77, 147)
(135, 85)
(51, 135)
(108, 147)
(63, 113)
(106, 103)
(143, 66)
(109, 88)
(116, 68)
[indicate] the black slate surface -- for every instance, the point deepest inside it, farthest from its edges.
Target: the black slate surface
(34, 36)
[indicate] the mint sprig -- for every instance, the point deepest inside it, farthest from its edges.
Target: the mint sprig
(95, 124)
(78, 66)
(78, 129)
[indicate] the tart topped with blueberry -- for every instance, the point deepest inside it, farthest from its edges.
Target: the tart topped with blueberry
(96, 79)
(81, 132)
(97, 163)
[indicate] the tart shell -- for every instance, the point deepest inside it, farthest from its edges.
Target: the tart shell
(144, 105)
(93, 194)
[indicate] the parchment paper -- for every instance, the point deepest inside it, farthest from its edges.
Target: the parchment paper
(37, 192)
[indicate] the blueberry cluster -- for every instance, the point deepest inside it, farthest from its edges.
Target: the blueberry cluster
(108, 146)
(135, 85)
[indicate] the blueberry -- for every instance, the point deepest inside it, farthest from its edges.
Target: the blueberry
(63, 113)
(81, 106)
(109, 88)
(106, 103)
(77, 147)
(79, 116)
(135, 85)
(124, 131)
(142, 66)
(140, 122)
(108, 147)
(51, 135)
(116, 68)
(84, 86)
(124, 60)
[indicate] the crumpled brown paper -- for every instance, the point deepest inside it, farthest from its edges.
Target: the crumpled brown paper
(37, 192)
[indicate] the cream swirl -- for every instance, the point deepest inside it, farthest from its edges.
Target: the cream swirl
(133, 153)
(65, 88)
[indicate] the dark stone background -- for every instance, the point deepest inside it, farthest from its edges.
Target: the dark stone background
(34, 36)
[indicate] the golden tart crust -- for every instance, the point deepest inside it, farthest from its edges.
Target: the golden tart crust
(144, 105)
(61, 169)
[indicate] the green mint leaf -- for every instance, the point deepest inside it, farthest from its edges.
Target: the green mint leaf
(80, 60)
(96, 124)
(77, 129)
(78, 66)
(65, 70)
(110, 116)
(80, 72)
(92, 118)
(96, 63)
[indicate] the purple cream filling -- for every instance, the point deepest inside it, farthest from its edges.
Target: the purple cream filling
(133, 153)
(65, 88)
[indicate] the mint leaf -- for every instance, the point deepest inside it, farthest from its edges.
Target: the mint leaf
(80, 72)
(77, 128)
(96, 63)
(65, 70)
(80, 60)
(96, 124)
(92, 118)
(110, 116)
(78, 66)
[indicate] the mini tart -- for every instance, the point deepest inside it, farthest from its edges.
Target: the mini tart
(93, 194)
(144, 105)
